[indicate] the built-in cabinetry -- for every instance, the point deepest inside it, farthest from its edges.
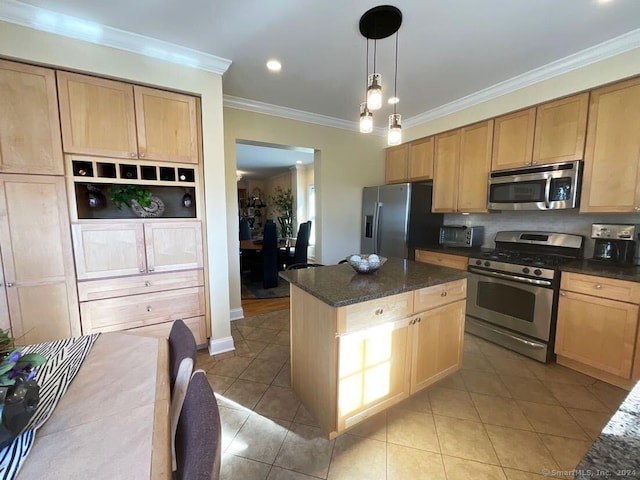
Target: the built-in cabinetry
(37, 273)
(29, 125)
(351, 362)
(395, 169)
(612, 156)
(462, 157)
(597, 331)
(513, 139)
(115, 119)
(410, 162)
(442, 259)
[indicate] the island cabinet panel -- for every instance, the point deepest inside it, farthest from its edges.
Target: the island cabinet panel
(432, 297)
(611, 180)
(373, 371)
(598, 331)
(29, 126)
(97, 116)
(513, 140)
(381, 310)
(437, 344)
(442, 259)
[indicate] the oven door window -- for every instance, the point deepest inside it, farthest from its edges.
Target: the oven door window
(518, 192)
(506, 299)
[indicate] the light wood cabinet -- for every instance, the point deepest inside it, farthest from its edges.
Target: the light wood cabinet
(560, 131)
(116, 119)
(442, 259)
(29, 125)
(346, 369)
(395, 167)
(476, 143)
(37, 260)
(597, 329)
(173, 246)
(513, 140)
(611, 180)
(445, 172)
(421, 159)
(167, 125)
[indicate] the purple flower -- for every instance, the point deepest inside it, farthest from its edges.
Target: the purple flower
(32, 374)
(13, 374)
(15, 356)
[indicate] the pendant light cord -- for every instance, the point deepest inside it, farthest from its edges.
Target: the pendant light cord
(395, 80)
(375, 45)
(366, 77)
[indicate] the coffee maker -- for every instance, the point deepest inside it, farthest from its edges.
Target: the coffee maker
(614, 244)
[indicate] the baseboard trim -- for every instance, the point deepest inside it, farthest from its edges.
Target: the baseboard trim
(221, 345)
(236, 314)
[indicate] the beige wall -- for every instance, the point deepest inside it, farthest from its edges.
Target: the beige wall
(345, 161)
(48, 49)
(606, 71)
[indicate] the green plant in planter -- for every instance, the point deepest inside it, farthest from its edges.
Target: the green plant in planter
(123, 194)
(283, 203)
(15, 365)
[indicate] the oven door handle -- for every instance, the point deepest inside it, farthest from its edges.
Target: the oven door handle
(518, 278)
(513, 337)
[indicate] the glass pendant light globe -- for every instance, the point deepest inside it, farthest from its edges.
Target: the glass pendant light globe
(374, 92)
(366, 119)
(394, 136)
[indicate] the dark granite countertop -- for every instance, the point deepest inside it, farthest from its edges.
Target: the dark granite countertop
(589, 267)
(616, 452)
(340, 285)
(461, 251)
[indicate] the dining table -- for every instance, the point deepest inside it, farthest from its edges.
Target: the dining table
(113, 421)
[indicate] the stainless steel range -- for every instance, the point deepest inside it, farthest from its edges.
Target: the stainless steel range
(512, 293)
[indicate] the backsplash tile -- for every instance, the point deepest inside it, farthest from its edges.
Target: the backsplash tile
(563, 221)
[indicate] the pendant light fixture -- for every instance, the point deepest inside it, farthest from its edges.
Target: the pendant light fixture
(394, 136)
(378, 23)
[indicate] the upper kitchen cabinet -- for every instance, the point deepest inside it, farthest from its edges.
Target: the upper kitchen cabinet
(97, 116)
(445, 172)
(612, 152)
(513, 140)
(395, 166)
(560, 130)
(475, 163)
(29, 128)
(115, 119)
(167, 126)
(421, 159)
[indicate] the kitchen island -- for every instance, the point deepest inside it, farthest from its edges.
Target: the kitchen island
(362, 343)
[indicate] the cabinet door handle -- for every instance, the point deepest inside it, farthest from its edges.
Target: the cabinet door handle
(638, 209)
(147, 283)
(148, 308)
(563, 294)
(151, 269)
(412, 322)
(9, 284)
(141, 269)
(419, 319)
(133, 155)
(379, 311)
(141, 154)
(597, 286)
(443, 294)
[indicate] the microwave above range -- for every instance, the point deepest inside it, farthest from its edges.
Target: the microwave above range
(546, 187)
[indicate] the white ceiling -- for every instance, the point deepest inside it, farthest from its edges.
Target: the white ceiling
(258, 162)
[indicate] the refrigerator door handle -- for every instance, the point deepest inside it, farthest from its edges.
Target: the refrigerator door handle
(376, 226)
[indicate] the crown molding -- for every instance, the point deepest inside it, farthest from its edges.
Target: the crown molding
(583, 58)
(46, 20)
(255, 106)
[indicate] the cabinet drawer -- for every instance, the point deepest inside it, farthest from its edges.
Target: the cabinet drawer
(125, 286)
(162, 330)
(432, 297)
(140, 310)
(374, 312)
(622, 290)
(442, 259)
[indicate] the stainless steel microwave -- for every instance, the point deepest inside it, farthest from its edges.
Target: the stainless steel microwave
(546, 187)
(461, 236)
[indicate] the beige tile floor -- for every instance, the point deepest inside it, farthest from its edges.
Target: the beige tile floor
(502, 416)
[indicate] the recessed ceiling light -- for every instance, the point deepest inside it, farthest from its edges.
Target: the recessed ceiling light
(274, 65)
(393, 100)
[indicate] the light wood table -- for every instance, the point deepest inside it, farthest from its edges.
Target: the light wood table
(113, 422)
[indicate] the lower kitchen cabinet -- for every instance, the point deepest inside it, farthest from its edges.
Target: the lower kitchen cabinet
(37, 260)
(442, 259)
(597, 330)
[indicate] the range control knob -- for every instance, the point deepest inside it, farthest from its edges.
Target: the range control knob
(487, 264)
(537, 271)
(478, 262)
(525, 270)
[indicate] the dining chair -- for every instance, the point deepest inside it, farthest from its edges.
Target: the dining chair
(245, 229)
(270, 256)
(198, 436)
(299, 255)
(182, 361)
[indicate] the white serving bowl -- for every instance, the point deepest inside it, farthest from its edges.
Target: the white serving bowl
(366, 263)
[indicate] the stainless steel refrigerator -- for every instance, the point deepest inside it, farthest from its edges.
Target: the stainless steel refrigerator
(397, 218)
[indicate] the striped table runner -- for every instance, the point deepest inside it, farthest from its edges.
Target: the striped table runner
(64, 359)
